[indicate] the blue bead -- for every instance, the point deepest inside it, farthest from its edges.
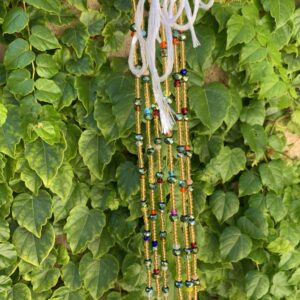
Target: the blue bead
(154, 244)
(183, 72)
(171, 173)
(146, 238)
(148, 110)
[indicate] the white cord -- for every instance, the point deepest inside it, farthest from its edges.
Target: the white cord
(162, 15)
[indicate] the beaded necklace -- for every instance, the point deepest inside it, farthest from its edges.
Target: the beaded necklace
(152, 179)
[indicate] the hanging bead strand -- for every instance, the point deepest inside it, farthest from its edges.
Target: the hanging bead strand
(188, 154)
(148, 114)
(142, 172)
(177, 76)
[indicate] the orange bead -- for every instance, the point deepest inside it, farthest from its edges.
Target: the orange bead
(175, 41)
(182, 189)
(187, 147)
(132, 33)
(163, 45)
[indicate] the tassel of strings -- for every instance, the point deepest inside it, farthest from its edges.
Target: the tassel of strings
(162, 14)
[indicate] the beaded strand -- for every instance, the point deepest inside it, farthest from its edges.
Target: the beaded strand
(142, 172)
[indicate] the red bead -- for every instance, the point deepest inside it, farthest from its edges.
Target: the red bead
(156, 113)
(187, 147)
(194, 245)
(138, 108)
(163, 45)
(156, 271)
(177, 83)
(182, 189)
(159, 180)
(175, 41)
(184, 110)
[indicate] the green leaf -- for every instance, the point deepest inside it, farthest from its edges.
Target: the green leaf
(32, 249)
(5, 194)
(99, 275)
(42, 38)
(256, 137)
(209, 251)
(254, 113)
(234, 109)
(47, 5)
(214, 104)
(79, 4)
(32, 212)
(104, 197)
(45, 66)
(239, 30)
(252, 52)
(83, 226)
(47, 90)
(289, 260)
(71, 276)
(280, 245)
(47, 132)
(15, 21)
(93, 20)
(3, 114)
(224, 205)
(271, 175)
(282, 11)
(4, 231)
(122, 102)
(19, 291)
(257, 285)
(65, 293)
(113, 38)
(81, 66)
(8, 255)
(87, 91)
(118, 225)
(280, 287)
(128, 180)
(276, 207)
(254, 224)
(45, 159)
(20, 83)
(61, 184)
(76, 37)
(234, 245)
(44, 279)
(249, 183)
(32, 181)
(96, 153)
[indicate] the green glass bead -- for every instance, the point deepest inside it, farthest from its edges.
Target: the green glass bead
(176, 33)
(177, 76)
(169, 140)
(182, 37)
(172, 179)
(174, 218)
(163, 234)
(185, 78)
(157, 141)
(145, 79)
(150, 151)
(153, 217)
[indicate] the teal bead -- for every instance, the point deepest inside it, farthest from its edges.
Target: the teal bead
(157, 141)
(179, 117)
(150, 151)
(182, 183)
(145, 79)
(172, 179)
(176, 33)
(180, 149)
(169, 140)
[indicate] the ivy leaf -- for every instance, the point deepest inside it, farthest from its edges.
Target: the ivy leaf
(32, 211)
(224, 205)
(234, 245)
(256, 137)
(76, 37)
(254, 224)
(118, 225)
(282, 12)
(47, 5)
(239, 30)
(104, 197)
(3, 114)
(249, 183)
(44, 279)
(254, 113)
(71, 276)
(61, 184)
(47, 90)
(67, 293)
(32, 249)
(257, 284)
(276, 207)
(42, 38)
(19, 291)
(10, 132)
(96, 153)
(252, 52)
(93, 20)
(234, 109)
(99, 275)
(280, 245)
(15, 21)
(8, 255)
(44, 158)
(47, 132)
(32, 181)
(128, 179)
(79, 4)
(5, 194)
(271, 175)
(113, 38)
(280, 287)
(209, 251)
(213, 106)
(81, 66)
(4, 231)
(20, 83)
(122, 102)
(83, 225)
(45, 66)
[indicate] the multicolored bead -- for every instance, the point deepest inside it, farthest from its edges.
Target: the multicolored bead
(176, 250)
(162, 206)
(164, 265)
(165, 290)
(149, 291)
(162, 234)
(178, 284)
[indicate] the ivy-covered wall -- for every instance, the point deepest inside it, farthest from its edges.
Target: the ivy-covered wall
(70, 225)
